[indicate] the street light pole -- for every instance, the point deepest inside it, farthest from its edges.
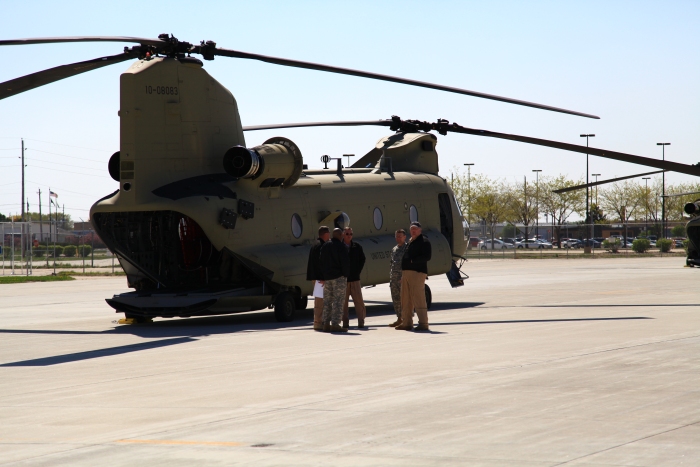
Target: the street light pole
(537, 203)
(596, 187)
(663, 190)
(588, 212)
(469, 192)
(646, 203)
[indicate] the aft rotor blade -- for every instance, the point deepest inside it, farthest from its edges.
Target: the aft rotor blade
(40, 78)
(54, 40)
(603, 182)
(377, 76)
(308, 124)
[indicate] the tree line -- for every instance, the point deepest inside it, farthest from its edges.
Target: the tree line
(494, 201)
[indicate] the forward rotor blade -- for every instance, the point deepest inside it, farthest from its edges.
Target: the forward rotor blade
(308, 124)
(393, 79)
(40, 78)
(619, 156)
(680, 194)
(53, 40)
(603, 182)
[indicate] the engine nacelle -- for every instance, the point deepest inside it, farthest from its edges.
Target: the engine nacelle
(692, 209)
(277, 162)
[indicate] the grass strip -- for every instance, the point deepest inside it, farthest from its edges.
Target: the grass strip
(23, 279)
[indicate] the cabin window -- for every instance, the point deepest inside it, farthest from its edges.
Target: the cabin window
(413, 213)
(378, 218)
(297, 226)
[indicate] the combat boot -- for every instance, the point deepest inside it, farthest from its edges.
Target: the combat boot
(327, 327)
(360, 323)
(338, 328)
(404, 327)
(346, 323)
(422, 327)
(396, 323)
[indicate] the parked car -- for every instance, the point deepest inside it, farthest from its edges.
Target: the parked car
(570, 243)
(474, 242)
(497, 245)
(592, 242)
(545, 244)
(510, 241)
(531, 243)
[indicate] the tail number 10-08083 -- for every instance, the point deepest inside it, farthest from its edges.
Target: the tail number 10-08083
(162, 90)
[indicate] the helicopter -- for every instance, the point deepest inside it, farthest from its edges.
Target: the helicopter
(203, 224)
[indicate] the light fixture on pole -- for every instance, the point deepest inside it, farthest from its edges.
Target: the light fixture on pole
(596, 187)
(469, 191)
(588, 212)
(663, 190)
(537, 204)
(646, 202)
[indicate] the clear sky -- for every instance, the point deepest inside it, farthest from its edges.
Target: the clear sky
(633, 63)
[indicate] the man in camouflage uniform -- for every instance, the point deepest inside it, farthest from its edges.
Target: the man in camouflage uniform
(335, 264)
(395, 273)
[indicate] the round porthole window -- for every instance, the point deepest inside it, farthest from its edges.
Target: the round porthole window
(297, 226)
(378, 218)
(413, 214)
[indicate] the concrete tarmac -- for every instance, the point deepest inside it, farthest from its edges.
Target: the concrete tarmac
(531, 363)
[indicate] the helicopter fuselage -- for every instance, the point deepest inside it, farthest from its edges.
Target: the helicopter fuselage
(194, 239)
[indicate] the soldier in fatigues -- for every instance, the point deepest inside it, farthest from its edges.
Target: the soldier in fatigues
(335, 264)
(395, 273)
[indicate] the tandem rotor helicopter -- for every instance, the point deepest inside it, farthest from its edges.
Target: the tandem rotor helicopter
(202, 224)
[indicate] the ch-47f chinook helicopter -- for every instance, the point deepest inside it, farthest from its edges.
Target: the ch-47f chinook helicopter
(203, 225)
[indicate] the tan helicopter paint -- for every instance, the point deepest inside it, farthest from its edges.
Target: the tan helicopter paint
(177, 122)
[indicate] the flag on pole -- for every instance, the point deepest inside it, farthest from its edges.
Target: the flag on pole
(52, 194)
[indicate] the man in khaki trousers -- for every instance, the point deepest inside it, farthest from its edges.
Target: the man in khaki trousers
(415, 269)
(354, 287)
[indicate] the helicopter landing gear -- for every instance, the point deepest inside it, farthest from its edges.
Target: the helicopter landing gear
(134, 319)
(285, 306)
(428, 296)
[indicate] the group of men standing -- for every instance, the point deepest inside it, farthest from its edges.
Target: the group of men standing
(335, 264)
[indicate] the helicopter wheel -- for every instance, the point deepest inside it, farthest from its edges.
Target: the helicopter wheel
(285, 307)
(428, 296)
(138, 319)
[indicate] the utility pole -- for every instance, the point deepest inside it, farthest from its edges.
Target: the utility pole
(537, 201)
(469, 191)
(588, 212)
(663, 189)
(41, 225)
(22, 179)
(646, 203)
(63, 222)
(596, 187)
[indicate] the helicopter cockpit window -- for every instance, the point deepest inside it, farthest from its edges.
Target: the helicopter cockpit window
(378, 218)
(297, 226)
(413, 213)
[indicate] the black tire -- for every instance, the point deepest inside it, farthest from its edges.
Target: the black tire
(301, 303)
(483, 247)
(520, 247)
(285, 307)
(540, 247)
(428, 296)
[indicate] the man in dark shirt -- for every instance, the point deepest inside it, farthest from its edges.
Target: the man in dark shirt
(315, 274)
(335, 265)
(354, 288)
(415, 269)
